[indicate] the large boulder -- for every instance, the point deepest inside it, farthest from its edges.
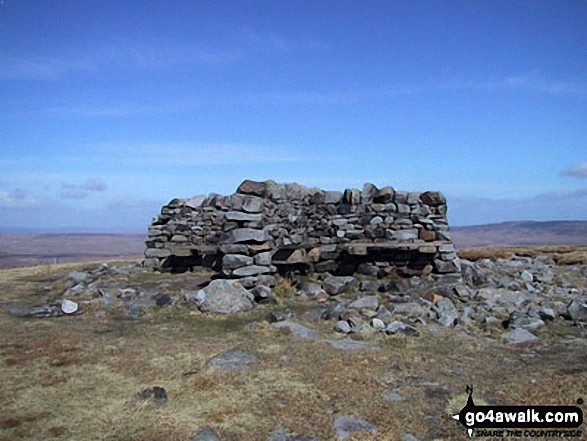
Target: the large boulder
(253, 188)
(334, 285)
(577, 310)
(224, 297)
(433, 198)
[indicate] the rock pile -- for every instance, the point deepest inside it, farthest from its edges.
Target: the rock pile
(266, 228)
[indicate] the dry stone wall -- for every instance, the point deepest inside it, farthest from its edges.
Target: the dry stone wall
(265, 228)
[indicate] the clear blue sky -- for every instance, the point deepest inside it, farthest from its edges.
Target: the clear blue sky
(109, 109)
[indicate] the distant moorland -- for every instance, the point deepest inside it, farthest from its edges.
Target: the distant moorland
(29, 249)
(526, 233)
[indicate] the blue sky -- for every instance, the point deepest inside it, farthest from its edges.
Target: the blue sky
(109, 109)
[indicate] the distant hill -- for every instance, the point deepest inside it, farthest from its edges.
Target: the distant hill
(525, 233)
(27, 249)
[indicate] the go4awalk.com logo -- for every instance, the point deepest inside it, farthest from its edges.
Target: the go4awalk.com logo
(520, 421)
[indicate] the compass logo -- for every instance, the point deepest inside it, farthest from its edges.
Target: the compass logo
(503, 419)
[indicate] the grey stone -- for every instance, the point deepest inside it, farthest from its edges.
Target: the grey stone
(234, 248)
(503, 297)
(233, 360)
(577, 310)
(392, 396)
(44, 311)
(135, 307)
(365, 302)
(347, 425)
(195, 201)
(297, 330)
(368, 193)
(545, 276)
(384, 195)
(245, 217)
(311, 289)
(527, 276)
(463, 291)
(261, 292)
(157, 252)
(383, 313)
(234, 261)
(253, 188)
(248, 235)
(206, 434)
(253, 270)
(347, 344)
(377, 323)
(224, 297)
(253, 204)
(546, 313)
(526, 322)
(79, 276)
(334, 285)
(369, 285)
(451, 266)
(446, 312)
(332, 197)
(398, 327)
(520, 335)
(343, 327)
(410, 437)
(263, 258)
(403, 208)
(409, 234)
(433, 198)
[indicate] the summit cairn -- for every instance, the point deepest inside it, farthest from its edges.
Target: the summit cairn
(267, 228)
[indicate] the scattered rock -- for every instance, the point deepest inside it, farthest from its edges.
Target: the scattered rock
(343, 327)
(233, 360)
(365, 302)
(297, 330)
(43, 311)
(377, 323)
(224, 297)
(520, 335)
(347, 425)
(334, 285)
(577, 310)
(446, 312)
(68, 307)
(398, 327)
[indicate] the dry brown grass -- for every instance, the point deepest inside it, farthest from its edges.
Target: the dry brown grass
(77, 377)
(564, 255)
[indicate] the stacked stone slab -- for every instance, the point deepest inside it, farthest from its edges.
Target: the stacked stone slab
(265, 228)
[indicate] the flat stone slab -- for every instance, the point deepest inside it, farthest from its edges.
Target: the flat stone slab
(234, 360)
(297, 330)
(346, 425)
(520, 335)
(351, 345)
(43, 311)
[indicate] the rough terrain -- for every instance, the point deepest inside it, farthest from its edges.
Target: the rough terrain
(139, 360)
